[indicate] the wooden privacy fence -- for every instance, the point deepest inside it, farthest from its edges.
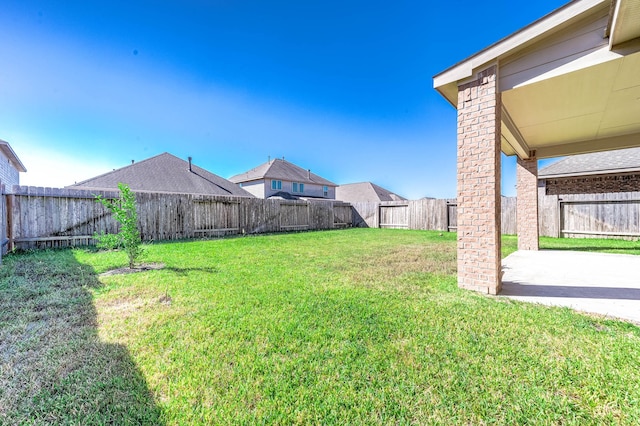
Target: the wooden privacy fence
(607, 218)
(615, 215)
(425, 214)
(595, 215)
(393, 215)
(50, 217)
(581, 215)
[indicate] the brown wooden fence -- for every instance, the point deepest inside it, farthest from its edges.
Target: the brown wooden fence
(615, 215)
(575, 216)
(425, 214)
(50, 217)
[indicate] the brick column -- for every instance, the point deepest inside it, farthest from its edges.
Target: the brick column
(479, 204)
(527, 204)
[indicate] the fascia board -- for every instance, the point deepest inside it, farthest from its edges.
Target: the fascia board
(515, 41)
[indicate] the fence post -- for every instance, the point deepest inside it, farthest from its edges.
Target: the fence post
(560, 217)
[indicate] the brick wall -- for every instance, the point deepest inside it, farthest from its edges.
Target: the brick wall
(596, 184)
(479, 262)
(527, 203)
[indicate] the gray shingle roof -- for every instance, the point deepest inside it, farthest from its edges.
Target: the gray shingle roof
(618, 161)
(282, 170)
(365, 191)
(164, 173)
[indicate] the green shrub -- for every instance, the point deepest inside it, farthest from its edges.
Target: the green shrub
(125, 212)
(108, 241)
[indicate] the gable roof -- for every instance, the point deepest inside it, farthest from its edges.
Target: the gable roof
(619, 161)
(6, 149)
(282, 170)
(365, 191)
(164, 173)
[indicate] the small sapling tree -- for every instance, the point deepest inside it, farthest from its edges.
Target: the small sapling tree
(125, 213)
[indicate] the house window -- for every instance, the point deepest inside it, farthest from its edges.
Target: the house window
(298, 187)
(276, 184)
(325, 191)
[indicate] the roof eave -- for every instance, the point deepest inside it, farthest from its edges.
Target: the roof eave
(236, 179)
(513, 43)
(590, 173)
(623, 22)
(12, 156)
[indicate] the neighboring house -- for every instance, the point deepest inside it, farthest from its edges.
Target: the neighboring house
(599, 172)
(164, 173)
(365, 191)
(282, 179)
(10, 166)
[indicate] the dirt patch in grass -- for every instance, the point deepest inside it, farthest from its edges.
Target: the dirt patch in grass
(140, 268)
(397, 268)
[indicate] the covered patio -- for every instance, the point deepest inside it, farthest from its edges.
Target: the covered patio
(566, 84)
(601, 283)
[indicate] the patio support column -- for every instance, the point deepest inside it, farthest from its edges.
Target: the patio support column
(527, 203)
(479, 203)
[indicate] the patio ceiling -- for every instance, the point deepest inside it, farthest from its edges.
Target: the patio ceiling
(570, 81)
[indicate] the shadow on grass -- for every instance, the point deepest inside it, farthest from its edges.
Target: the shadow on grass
(54, 368)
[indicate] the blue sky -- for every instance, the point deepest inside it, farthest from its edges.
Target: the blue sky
(342, 88)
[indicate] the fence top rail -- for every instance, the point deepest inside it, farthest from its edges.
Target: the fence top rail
(202, 200)
(608, 233)
(383, 204)
(295, 203)
(38, 191)
(633, 201)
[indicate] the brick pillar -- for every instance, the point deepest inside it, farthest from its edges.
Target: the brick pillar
(479, 204)
(527, 204)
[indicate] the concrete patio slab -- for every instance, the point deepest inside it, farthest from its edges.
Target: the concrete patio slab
(601, 283)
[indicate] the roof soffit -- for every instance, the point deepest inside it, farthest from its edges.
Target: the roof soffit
(565, 91)
(447, 81)
(592, 109)
(624, 23)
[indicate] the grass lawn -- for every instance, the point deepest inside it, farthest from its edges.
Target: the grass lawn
(359, 326)
(510, 244)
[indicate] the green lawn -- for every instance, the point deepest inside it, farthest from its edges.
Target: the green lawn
(359, 326)
(510, 244)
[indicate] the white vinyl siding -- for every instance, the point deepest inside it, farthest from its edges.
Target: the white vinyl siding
(9, 175)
